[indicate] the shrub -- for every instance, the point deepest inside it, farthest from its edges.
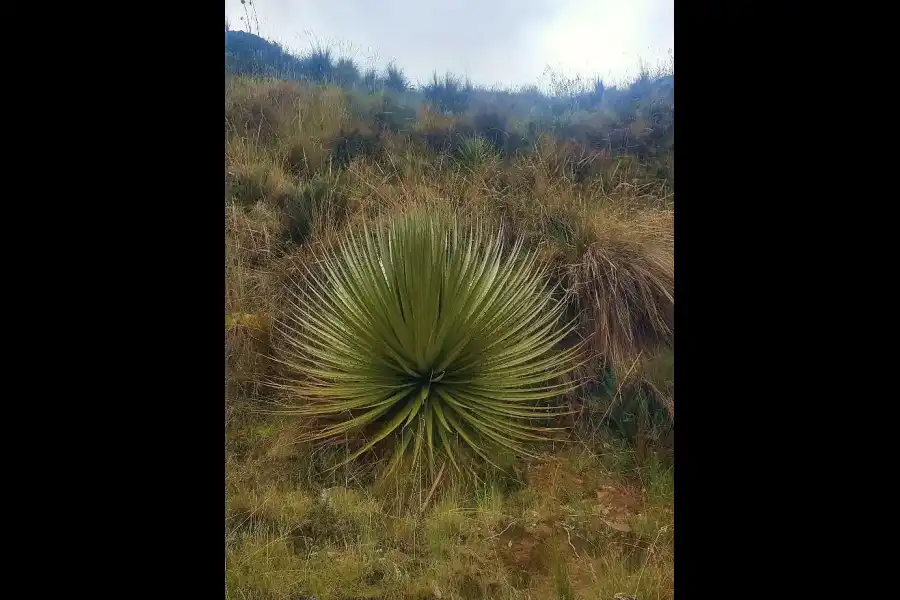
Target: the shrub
(639, 409)
(492, 127)
(430, 333)
(319, 201)
(318, 66)
(449, 94)
(389, 114)
(395, 80)
(346, 73)
(355, 143)
(371, 81)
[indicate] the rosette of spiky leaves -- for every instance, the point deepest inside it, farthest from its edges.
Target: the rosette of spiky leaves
(429, 333)
(474, 151)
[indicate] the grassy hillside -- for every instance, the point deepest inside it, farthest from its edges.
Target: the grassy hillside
(585, 177)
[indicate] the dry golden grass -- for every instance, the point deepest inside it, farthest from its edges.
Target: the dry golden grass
(591, 519)
(428, 119)
(254, 173)
(573, 526)
(623, 280)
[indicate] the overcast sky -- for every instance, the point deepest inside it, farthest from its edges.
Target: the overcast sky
(508, 42)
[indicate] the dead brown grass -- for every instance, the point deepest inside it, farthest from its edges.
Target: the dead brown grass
(624, 282)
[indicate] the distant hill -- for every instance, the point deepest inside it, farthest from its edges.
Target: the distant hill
(249, 54)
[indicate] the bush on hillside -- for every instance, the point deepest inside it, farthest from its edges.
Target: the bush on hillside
(346, 73)
(318, 66)
(371, 81)
(449, 94)
(395, 80)
(356, 143)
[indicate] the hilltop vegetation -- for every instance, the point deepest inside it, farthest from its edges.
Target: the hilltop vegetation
(582, 175)
(636, 119)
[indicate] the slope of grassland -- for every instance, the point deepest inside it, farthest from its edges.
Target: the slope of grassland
(591, 189)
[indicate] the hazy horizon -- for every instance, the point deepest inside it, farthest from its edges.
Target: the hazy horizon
(499, 43)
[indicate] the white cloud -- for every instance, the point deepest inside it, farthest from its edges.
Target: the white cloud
(608, 38)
